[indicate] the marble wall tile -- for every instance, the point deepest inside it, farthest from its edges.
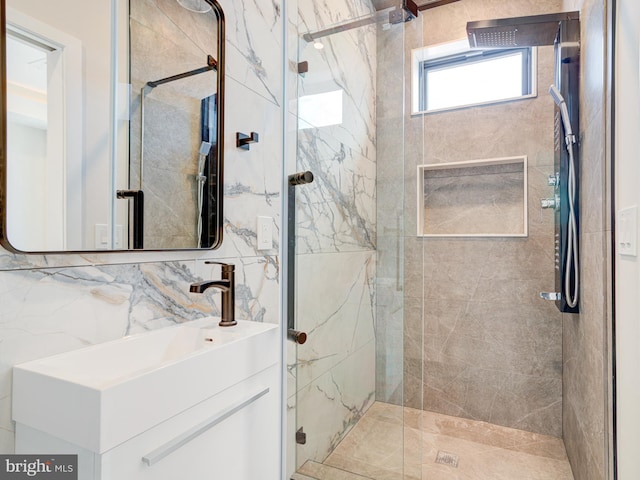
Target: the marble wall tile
(253, 178)
(254, 46)
(337, 212)
(335, 306)
(334, 371)
(319, 14)
(333, 403)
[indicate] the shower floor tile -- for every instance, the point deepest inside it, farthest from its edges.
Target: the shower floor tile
(374, 450)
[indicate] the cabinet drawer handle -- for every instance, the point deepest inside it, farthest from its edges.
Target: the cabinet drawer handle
(168, 448)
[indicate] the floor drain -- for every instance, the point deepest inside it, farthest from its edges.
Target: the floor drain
(446, 458)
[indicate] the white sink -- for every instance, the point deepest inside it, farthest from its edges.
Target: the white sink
(100, 396)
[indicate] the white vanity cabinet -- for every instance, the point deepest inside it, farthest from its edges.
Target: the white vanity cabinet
(230, 429)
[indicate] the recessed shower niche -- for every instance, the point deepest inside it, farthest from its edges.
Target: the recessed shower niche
(477, 198)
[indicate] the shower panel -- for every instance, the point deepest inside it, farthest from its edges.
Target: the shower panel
(563, 31)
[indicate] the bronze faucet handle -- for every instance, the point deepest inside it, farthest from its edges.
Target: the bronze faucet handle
(226, 267)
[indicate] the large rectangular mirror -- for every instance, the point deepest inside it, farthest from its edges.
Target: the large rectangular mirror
(113, 122)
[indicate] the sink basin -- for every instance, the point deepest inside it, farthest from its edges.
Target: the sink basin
(100, 396)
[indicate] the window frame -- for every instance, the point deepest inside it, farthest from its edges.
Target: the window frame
(454, 54)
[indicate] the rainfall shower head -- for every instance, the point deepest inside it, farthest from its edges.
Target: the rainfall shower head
(532, 31)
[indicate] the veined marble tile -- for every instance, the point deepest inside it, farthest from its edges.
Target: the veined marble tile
(330, 406)
(335, 301)
(253, 178)
(337, 211)
(254, 45)
(345, 65)
(320, 14)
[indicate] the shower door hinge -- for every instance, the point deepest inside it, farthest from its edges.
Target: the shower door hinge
(303, 68)
(301, 437)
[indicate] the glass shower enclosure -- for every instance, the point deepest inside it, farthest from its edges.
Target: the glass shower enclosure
(346, 239)
(418, 254)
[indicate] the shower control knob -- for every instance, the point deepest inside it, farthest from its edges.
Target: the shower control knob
(553, 296)
(549, 203)
(553, 180)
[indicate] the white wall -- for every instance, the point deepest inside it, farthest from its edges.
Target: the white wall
(28, 146)
(627, 182)
(91, 25)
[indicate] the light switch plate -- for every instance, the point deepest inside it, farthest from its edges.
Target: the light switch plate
(265, 233)
(101, 236)
(627, 231)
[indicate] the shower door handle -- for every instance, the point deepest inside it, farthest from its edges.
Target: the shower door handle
(138, 215)
(295, 180)
(296, 336)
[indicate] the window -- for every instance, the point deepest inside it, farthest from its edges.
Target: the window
(452, 76)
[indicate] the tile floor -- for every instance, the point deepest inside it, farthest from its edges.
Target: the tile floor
(373, 450)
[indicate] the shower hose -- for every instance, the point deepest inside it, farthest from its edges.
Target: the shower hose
(572, 234)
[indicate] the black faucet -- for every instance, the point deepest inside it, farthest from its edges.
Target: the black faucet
(228, 287)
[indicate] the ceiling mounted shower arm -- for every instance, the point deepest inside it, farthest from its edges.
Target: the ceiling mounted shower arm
(212, 64)
(348, 25)
(415, 8)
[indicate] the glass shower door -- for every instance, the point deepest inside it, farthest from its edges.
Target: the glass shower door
(345, 386)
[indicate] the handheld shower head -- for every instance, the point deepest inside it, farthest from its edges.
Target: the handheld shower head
(205, 147)
(564, 111)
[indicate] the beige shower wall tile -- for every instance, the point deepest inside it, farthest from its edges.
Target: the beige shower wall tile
(585, 367)
(592, 171)
(519, 401)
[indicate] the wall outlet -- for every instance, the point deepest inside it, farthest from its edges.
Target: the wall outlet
(265, 233)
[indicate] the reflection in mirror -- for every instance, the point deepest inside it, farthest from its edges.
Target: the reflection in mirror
(114, 127)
